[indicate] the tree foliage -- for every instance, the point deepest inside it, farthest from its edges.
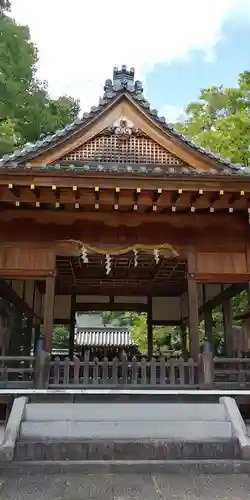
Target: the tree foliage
(168, 338)
(26, 109)
(5, 5)
(60, 337)
(220, 120)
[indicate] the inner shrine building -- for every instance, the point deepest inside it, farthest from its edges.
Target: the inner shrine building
(120, 211)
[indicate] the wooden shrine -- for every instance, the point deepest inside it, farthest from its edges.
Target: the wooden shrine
(119, 211)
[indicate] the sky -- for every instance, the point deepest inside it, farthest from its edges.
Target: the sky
(177, 47)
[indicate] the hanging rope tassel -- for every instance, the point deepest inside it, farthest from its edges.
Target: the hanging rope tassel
(108, 264)
(156, 255)
(135, 257)
(84, 255)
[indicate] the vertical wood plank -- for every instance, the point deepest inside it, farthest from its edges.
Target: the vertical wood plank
(134, 369)
(162, 371)
(143, 371)
(49, 299)
(66, 371)
(76, 369)
(171, 364)
(181, 372)
(124, 369)
(105, 371)
(95, 371)
(86, 368)
(56, 378)
(115, 365)
(191, 371)
(153, 371)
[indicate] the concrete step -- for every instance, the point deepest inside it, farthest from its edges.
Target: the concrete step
(180, 431)
(160, 450)
(135, 412)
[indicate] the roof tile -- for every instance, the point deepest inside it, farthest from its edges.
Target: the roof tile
(123, 82)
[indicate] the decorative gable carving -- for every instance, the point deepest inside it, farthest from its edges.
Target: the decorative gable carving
(123, 143)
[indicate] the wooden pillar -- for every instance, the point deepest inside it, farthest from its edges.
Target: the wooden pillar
(193, 307)
(208, 323)
(183, 332)
(228, 326)
(28, 336)
(49, 300)
(150, 328)
(72, 325)
(16, 328)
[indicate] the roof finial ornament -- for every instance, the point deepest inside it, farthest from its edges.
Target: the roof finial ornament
(123, 75)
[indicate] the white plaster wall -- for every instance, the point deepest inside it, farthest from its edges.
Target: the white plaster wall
(166, 308)
(131, 300)
(87, 299)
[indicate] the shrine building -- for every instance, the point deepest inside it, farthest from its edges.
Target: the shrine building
(120, 212)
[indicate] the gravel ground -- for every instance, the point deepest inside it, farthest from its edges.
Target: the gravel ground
(126, 487)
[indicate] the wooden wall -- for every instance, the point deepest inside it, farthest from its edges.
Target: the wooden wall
(29, 245)
(25, 261)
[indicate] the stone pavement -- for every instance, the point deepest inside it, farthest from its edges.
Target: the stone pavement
(126, 487)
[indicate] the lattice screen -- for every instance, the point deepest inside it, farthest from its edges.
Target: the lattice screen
(135, 149)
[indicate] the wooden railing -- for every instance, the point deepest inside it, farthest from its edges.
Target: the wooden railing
(42, 372)
(231, 373)
(17, 371)
(154, 372)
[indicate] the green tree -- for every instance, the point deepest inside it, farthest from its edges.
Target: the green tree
(60, 337)
(5, 5)
(26, 109)
(164, 337)
(220, 120)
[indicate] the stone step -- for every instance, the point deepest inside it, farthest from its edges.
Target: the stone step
(136, 412)
(177, 430)
(28, 450)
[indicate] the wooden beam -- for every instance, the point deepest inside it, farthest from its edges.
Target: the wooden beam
(150, 328)
(49, 299)
(229, 292)
(109, 306)
(166, 322)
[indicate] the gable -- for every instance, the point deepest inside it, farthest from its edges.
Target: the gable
(149, 141)
(122, 143)
(153, 142)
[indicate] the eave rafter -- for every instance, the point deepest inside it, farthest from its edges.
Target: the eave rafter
(135, 194)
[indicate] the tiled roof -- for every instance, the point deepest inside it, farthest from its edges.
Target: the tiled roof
(122, 83)
(103, 337)
(139, 169)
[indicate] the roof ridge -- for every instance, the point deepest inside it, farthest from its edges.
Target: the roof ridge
(122, 83)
